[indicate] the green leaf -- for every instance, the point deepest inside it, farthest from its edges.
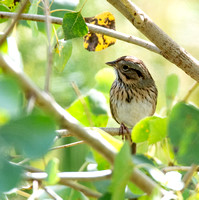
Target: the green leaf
(183, 130)
(52, 170)
(102, 163)
(4, 8)
(33, 135)
(106, 196)
(10, 175)
(9, 96)
(122, 171)
(142, 159)
(91, 109)
(33, 24)
(172, 84)
(61, 54)
(104, 79)
(151, 129)
(97, 102)
(74, 25)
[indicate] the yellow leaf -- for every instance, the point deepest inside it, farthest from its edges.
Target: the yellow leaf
(96, 41)
(117, 144)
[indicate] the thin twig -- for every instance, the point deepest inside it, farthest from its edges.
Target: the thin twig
(35, 188)
(67, 145)
(177, 168)
(23, 194)
(111, 131)
(188, 176)
(92, 28)
(52, 194)
(88, 192)
(16, 18)
(30, 104)
(49, 48)
(74, 176)
(193, 87)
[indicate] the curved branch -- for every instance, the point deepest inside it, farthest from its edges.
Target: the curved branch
(169, 48)
(93, 28)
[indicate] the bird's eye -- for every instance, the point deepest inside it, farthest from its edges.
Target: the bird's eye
(125, 67)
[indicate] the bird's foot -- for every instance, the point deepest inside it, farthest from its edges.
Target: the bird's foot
(124, 131)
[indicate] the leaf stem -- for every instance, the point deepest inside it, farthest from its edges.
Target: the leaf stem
(191, 90)
(80, 10)
(57, 10)
(67, 145)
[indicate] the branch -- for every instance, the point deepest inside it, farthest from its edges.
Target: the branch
(169, 48)
(67, 145)
(81, 188)
(177, 168)
(111, 131)
(188, 176)
(75, 176)
(92, 28)
(49, 48)
(65, 120)
(52, 194)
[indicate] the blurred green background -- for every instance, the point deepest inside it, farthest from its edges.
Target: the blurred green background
(178, 18)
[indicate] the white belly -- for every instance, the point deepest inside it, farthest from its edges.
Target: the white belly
(131, 113)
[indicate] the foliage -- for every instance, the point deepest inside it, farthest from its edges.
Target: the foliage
(170, 138)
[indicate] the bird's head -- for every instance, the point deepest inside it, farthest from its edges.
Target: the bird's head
(130, 70)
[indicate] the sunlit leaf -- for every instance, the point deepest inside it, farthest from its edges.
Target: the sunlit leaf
(96, 41)
(9, 96)
(122, 172)
(74, 25)
(52, 170)
(112, 140)
(10, 175)
(151, 129)
(172, 84)
(183, 130)
(33, 135)
(90, 110)
(61, 54)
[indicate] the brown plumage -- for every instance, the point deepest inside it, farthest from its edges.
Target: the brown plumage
(133, 95)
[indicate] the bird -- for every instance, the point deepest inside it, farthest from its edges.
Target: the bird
(133, 94)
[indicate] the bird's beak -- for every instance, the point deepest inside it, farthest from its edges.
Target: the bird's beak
(112, 63)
